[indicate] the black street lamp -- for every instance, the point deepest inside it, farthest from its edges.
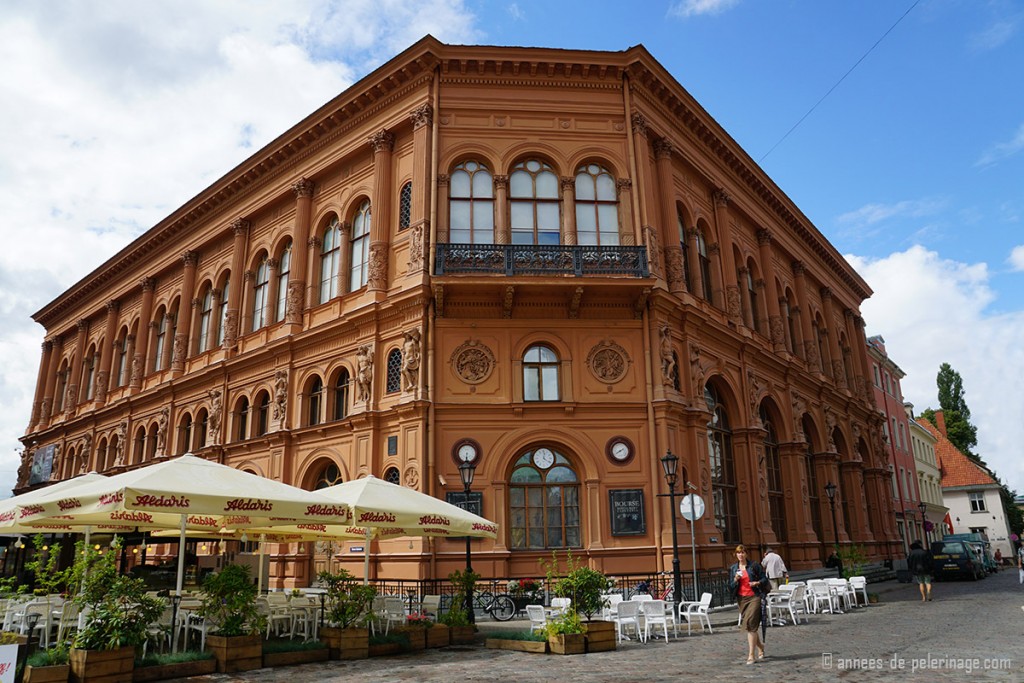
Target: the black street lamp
(670, 463)
(466, 472)
(830, 491)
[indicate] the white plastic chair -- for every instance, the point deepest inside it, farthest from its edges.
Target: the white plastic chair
(654, 615)
(820, 594)
(277, 621)
(859, 584)
(840, 593)
(538, 619)
(431, 605)
(698, 611)
(628, 614)
(560, 605)
(609, 604)
(394, 612)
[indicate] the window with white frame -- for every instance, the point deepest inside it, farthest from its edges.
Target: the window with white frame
(977, 500)
(597, 209)
(360, 247)
(471, 204)
(283, 271)
(260, 287)
(330, 258)
(540, 374)
(533, 203)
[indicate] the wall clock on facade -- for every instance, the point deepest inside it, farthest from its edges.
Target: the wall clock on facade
(466, 450)
(543, 458)
(619, 450)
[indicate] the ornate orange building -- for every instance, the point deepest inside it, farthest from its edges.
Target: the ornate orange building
(552, 261)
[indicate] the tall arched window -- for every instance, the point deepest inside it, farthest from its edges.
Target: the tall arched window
(790, 328)
(263, 414)
(471, 204)
(62, 388)
(705, 265)
(151, 443)
(394, 371)
(723, 471)
(773, 472)
(405, 207)
(533, 196)
(122, 359)
(161, 340)
(205, 318)
(283, 271)
(242, 419)
(329, 476)
(813, 493)
(139, 451)
(544, 502)
(316, 397)
(89, 375)
(540, 374)
(681, 225)
(597, 208)
(755, 317)
(360, 247)
(341, 395)
(260, 287)
(330, 261)
(184, 434)
(223, 322)
(202, 425)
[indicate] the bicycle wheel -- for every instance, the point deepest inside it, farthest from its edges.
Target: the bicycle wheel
(503, 608)
(483, 600)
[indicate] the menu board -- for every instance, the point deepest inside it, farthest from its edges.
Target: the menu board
(626, 507)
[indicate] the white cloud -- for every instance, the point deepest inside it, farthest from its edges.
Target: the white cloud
(1016, 259)
(870, 214)
(1003, 150)
(692, 8)
(125, 110)
(516, 12)
(933, 310)
(995, 35)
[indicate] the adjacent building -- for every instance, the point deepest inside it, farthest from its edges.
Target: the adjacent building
(929, 478)
(553, 264)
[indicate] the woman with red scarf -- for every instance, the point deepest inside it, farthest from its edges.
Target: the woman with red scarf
(748, 582)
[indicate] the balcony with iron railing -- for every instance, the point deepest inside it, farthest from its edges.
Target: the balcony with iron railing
(534, 259)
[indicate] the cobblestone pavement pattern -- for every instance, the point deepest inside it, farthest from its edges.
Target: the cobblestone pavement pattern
(966, 621)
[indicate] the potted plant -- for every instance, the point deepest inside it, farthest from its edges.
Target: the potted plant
(584, 586)
(565, 634)
(520, 641)
(288, 652)
(47, 666)
(118, 614)
(347, 610)
(229, 602)
(157, 667)
(461, 631)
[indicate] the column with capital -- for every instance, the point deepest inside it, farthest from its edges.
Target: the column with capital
(642, 153)
(240, 229)
(46, 410)
(810, 343)
(837, 370)
(37, 402)
(502, 234)
(776, 327)
(858, 383)
(107, 352)
(189, 261)
(140, 351)
(295, 303)
(419, 210)
(731, 290)
(76, 366)
(383, 144)
(674, 273)
(568, 185)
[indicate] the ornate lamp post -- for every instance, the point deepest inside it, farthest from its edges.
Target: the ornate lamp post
(923, 507)
(466, 472)
(670, 463)
(830, 491)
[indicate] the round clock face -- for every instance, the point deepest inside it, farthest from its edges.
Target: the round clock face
(467, 452)
(620, 450)
(543, 458)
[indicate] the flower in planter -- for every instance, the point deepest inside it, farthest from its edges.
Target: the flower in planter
(419, 619)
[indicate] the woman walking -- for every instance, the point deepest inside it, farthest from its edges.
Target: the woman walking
(748, 582)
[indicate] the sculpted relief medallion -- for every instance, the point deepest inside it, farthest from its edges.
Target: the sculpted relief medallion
(608, 362)
(473, 362)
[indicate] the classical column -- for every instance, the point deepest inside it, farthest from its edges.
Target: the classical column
(76, 367)
(792, 463)
(296, 301)
(502, 233)
(835, 349)
(568, 185)
(748, 314)
(189, 260)
(273, 290)
(38, 400)
(858, 384)
(852, 473)
(141, 349)
(860, 347)
(776, 326)
(674, 273)
(443, 179)
(624, 193)
(810, 343)
(107, 352)
(419, 212)
(383, 143)
(642, 150)
(240, 228)
(732, 292)
(46, 410)
(693, 261)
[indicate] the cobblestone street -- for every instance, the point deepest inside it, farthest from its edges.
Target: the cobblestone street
(968, 626)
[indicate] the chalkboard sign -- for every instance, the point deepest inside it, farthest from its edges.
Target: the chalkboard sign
(626, 507)
(475, 504)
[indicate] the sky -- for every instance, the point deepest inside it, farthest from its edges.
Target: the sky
(897, 127)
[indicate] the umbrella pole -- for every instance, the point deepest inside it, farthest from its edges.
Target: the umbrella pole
(259, 571)
(366, 559)
(180, 581)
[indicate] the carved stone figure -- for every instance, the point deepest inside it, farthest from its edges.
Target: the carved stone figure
(85, 453)
(161, 430)
(472, 362)
(696, 372)
(830, 428)
(668, 360)
(25, 467)
(364, 372)
(411, 360)
(122, 438)
(293, 305)
(799, 408)
(280, 395)
(216, 409)
(55, 467)
(608, 361)
(754, 389)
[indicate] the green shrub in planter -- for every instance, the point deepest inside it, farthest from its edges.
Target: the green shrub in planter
(54, 656)
(229, 599)
(347, 602)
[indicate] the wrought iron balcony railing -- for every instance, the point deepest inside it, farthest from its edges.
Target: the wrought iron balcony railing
(531, 259)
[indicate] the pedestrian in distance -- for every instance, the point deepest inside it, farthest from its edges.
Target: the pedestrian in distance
(919, 562)
(774, 567)
(748, 583)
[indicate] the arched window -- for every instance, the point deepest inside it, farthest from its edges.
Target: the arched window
(755, 317)
(705, 265)
(161, 340)
(394, 378)
(151, 443)
(360, 247)
(223, 322)
(544, 502)
(330, 260)
(62, 387)
(392, 476)
(597, 208)
(681, 225)
(283, 270)
(540, 374)
(139, 452)
(329, 476)
(790, 327)
(723, 473)
(471, 204)
(316, 397)
(773, 472)
(122, 359)
(813, 494)
(533, 195)
(89, 373)
(341, 395)
(405, 207)
(205, 318)
(260, 287)
(263, 414)
(202, 424)
(184, 434)
(242, 419)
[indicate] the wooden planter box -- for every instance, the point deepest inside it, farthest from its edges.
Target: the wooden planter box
(417, 637)
(438, 636)
(199, 667)
(236, 653)
(601, 636)
(295, 657)
(47, 674)
(538, 646)
(346, 643)
(385, 649)
(568, 644)
(462, 635)
(102, 666)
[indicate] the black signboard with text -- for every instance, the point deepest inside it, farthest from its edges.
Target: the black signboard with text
(474, 505)
(626, 507)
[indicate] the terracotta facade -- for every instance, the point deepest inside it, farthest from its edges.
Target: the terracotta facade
(533, 250)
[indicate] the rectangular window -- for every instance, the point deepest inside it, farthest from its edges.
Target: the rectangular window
(977, 499)
(878, 382)
(903, 441)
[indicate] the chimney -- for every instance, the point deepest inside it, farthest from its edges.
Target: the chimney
(940, 422)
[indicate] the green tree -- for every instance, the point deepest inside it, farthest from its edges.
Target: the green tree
(959, 430)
